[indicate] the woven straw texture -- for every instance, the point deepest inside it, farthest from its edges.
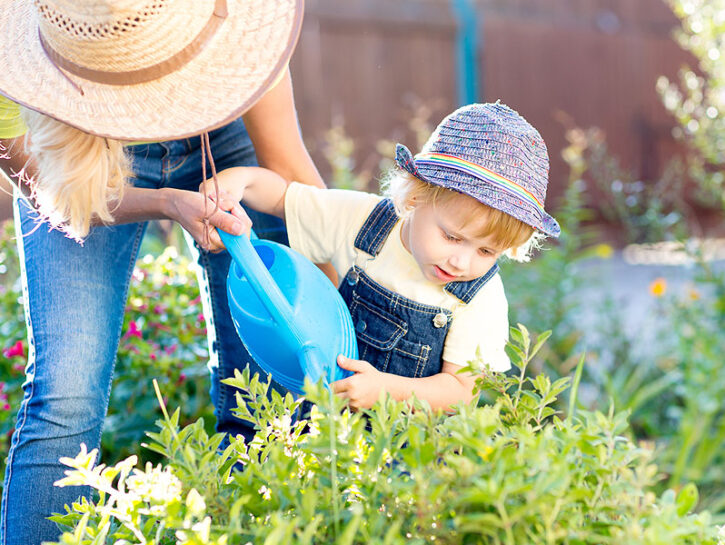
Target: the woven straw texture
(232, 71)
(497, 138)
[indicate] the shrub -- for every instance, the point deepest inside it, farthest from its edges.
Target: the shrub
(511, 472)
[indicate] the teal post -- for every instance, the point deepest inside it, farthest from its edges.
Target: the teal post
(466, 50)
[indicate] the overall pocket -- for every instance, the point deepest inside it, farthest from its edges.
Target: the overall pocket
(383, 341)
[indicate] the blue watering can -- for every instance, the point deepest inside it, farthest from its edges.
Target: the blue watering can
(289, 316)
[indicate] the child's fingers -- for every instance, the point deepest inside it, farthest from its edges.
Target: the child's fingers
(356, 366)
(231, 223)
(341, 386)
(237, 211)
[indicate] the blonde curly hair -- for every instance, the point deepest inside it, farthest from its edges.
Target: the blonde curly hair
(80, 177)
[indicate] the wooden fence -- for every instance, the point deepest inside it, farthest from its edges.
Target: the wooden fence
(375, 66)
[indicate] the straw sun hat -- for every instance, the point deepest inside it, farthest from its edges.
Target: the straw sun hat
(144, 69)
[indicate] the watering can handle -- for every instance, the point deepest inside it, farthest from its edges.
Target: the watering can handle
(246, 257)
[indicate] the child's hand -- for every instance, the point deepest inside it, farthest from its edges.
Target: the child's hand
(363, 388)
(231, 182)
(187, 208)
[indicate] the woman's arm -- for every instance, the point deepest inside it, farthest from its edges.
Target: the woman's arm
(275, 132)
(273, 127)
(186, 207)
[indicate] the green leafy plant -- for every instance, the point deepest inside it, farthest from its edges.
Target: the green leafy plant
(547, 292)
(164, 339)
(645, 210)
(13, 343)
(693, 439)
(515, 471)
(697, 100)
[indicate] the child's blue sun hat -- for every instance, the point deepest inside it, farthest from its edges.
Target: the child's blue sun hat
(491, 153)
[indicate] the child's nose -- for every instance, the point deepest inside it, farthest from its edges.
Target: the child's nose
(461, 260)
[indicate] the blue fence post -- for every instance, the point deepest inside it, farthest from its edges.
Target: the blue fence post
(466, 50)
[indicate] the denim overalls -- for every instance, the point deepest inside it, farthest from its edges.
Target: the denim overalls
(394, 334)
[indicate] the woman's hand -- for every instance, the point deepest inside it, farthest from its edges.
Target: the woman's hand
(187, 208)
(362, 389)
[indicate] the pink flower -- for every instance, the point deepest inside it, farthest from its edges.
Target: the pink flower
(171, 349)
(196, 300)
(152, 356)
(18, 349)
(6, 407)
(133, 331)
(181, 379)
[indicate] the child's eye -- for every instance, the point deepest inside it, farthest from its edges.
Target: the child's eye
(486, 252)
(450, 237)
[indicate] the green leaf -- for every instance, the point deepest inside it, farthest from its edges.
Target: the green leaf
(687, 499)
(348, 535)
(540, 340)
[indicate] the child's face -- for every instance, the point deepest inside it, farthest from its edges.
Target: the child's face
(446, 244)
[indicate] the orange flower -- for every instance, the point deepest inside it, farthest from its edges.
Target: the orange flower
(658, 287)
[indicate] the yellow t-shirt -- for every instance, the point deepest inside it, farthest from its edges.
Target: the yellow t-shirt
(322, 225)
(12, 125)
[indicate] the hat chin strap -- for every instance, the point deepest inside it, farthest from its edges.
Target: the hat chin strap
(206, 153)
(141, 75)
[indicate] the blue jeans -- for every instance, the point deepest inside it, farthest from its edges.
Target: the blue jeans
(75, 297)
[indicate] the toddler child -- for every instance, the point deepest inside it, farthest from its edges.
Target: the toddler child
(418, 267)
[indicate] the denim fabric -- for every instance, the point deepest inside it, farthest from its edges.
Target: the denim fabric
(395, 334)
(74, 301)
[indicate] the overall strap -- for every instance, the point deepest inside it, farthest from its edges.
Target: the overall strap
(377, 227)
(466, 290)
(375, 231)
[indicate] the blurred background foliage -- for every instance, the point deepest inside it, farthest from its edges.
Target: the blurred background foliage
(664, 370)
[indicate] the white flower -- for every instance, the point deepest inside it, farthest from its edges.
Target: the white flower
(155, 485)
(265, 492)
(200, 531)
(195, 503)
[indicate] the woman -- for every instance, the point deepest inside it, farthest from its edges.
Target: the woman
(93, 75)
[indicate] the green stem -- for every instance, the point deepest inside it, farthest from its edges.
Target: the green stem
(333, 467)
(575, 389)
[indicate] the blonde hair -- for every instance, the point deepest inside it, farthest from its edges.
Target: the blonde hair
(79, 177)
(518, 238)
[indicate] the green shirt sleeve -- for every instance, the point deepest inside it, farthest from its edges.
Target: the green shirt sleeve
(11, 124)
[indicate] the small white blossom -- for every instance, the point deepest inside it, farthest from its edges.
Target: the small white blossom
(200, 531)
(155, 485)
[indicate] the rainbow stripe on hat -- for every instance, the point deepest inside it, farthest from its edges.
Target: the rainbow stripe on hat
(479, 172)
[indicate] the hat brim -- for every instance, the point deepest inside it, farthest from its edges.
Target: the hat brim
(479, 190)
(215, 87)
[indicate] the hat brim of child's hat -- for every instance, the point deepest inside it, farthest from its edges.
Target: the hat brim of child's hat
(230, 74)
(480, 190)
